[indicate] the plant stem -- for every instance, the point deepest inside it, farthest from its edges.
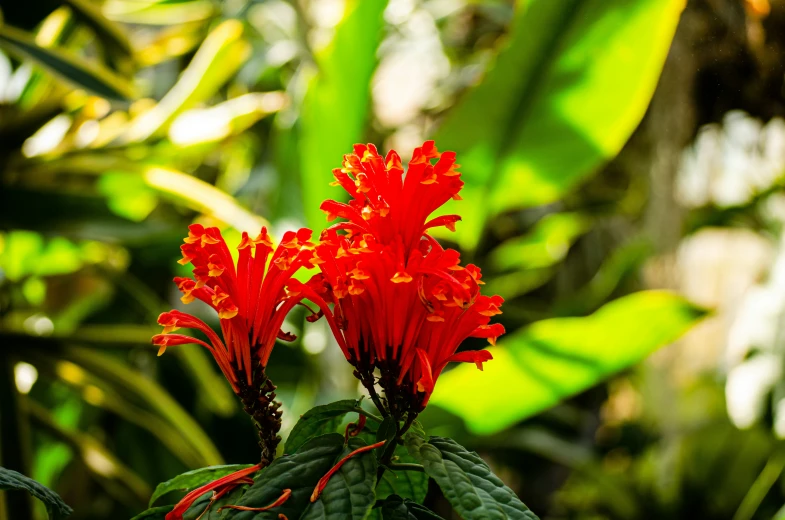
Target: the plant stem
(767, 477)
(259, 402)
(12, 445)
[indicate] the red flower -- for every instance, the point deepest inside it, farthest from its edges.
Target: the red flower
(251, 299)
(403, 303)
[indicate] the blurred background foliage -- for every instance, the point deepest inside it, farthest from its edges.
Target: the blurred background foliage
(623, 162)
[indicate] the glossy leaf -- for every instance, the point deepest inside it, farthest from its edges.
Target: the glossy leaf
(12, 480)
(336, 106)
(299, 472)
(397, 508)
(71, 68)
(466, 481)
(550, 360)
(563, 96)
(193, 479)
(319, 420)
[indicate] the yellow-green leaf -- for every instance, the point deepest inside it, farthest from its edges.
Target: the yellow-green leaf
(550, 360)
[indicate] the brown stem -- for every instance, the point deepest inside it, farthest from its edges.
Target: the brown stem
(259, 402)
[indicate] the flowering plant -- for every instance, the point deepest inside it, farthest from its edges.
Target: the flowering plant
(399, 306)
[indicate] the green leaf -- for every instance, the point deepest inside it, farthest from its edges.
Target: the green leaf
(71, 68)
(536, 367)
(148, 392)
(397, 508)
(544, 245)
(412, 485)
(158, 13)
(349, 494)
(219, 57)
(299, 472)
(110, 33)
(563, 97)
(55, 507)
(336, 107)
(467, 482)
(193, 479)
(318, 421)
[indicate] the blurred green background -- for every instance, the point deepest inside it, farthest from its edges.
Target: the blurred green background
(624, 164)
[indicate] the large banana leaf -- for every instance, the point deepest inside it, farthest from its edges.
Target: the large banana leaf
(564, 95)
(550, 360)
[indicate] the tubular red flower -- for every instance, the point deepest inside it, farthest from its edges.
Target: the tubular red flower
(251, 298)
(223, 482)
(401, 302)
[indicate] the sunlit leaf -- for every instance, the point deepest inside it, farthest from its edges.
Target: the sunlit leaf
(550, 360)
(545, 245)
(563, 96)
(12, 480)
(128, 195)
(157, 12)
(336, 107)
(215, 62)
(73, 69)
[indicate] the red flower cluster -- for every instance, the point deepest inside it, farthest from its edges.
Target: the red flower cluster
(251, 299)
(403, 304)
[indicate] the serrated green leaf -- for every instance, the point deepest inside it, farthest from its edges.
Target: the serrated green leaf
(550, 360)
(527, 133)
(335, 95)
(193, 479)
(349, 493)
(55, 507)
(397, 508)
(319, 420)
(467, 482)
(299, 472)
(73, 69)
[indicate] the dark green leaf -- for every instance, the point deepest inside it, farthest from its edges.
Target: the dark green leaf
(11, 480)
(299, 472)
(71, 68)
(467, 482)
(193, 479)
(318, 421)
(526, 134)
(397, 508)
(411, 485)
(349, 493)
(536, 367)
